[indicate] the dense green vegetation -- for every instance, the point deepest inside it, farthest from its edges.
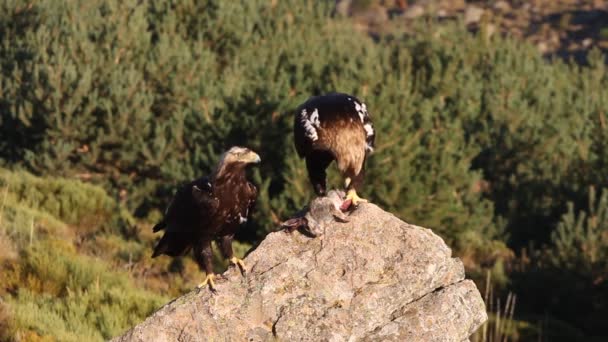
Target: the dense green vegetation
(498, 150)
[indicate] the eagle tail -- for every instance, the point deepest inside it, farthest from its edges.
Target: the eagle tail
(172, 245)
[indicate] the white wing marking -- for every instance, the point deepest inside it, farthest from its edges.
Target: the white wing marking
(369, 129)
(361, 109)
(310, 122)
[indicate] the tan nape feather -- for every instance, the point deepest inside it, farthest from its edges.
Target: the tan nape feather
(234, 155)
(221, 168)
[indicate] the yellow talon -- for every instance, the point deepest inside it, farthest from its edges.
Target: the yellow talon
(209, 280)
(355, 199)
(238, 262)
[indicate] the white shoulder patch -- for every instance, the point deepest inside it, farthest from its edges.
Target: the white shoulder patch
(243, 219)
(311, 123)
(314, 118)
(361, 109)
(369, 129)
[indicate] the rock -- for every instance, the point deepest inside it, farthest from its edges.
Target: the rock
(424, 320)
(453, 5)
(502, 6)
(376, 15)
(372, 278)
(472, 14)
(490, 29)
(587, 42)
(413, 12)
(343, 7)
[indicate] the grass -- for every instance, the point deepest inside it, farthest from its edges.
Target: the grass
(69, 201)
(500, 326)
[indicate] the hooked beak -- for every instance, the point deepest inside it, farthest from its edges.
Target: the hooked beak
(253, 158)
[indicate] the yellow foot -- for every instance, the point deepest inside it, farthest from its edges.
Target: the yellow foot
(352, 199)
(352, 195)
(238, 262)
(209, 280)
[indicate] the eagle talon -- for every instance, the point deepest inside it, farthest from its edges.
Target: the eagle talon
(239, 262)
(209, 280)
(352, 199)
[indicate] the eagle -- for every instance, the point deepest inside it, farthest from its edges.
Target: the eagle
(338, 127)
(207, 209)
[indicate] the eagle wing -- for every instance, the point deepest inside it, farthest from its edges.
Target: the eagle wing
(252, 197)
(363, 115)
(171, 212)
(305, 128)
(366, 120)
(193, 205)
(193, 197)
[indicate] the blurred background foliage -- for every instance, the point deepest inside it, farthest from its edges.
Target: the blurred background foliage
(112, 104)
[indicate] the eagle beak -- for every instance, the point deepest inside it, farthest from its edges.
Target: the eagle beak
(253, 158)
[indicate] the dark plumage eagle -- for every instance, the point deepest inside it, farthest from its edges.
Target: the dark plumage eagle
(208, 209)
(334, 127)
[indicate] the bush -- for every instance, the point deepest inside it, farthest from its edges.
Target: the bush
(576, 266)
(71, 201)
(71, 297)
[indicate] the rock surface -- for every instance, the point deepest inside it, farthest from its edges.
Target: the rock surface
(564, 28)
(372, 278)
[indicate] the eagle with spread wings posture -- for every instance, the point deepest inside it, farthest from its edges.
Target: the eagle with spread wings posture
(207, 209)
(336, 127)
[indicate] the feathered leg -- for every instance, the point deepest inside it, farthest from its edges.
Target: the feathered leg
(225, 244)
(316, 163)
(203, 255)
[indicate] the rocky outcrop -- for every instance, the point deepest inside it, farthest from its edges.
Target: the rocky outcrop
(373, 278)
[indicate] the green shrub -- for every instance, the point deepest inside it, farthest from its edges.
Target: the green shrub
(581, 239)
(25, 225)
(74, 297)
(571, 273)
(195, 78)
(71, 201)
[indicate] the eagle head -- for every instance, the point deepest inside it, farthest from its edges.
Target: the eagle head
(239, 155)
(234, 161)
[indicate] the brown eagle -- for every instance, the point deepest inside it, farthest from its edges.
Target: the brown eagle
(207, 209)
(336, 127)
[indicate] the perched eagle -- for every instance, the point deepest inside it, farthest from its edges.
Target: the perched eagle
(334, 127)
(208, 209)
